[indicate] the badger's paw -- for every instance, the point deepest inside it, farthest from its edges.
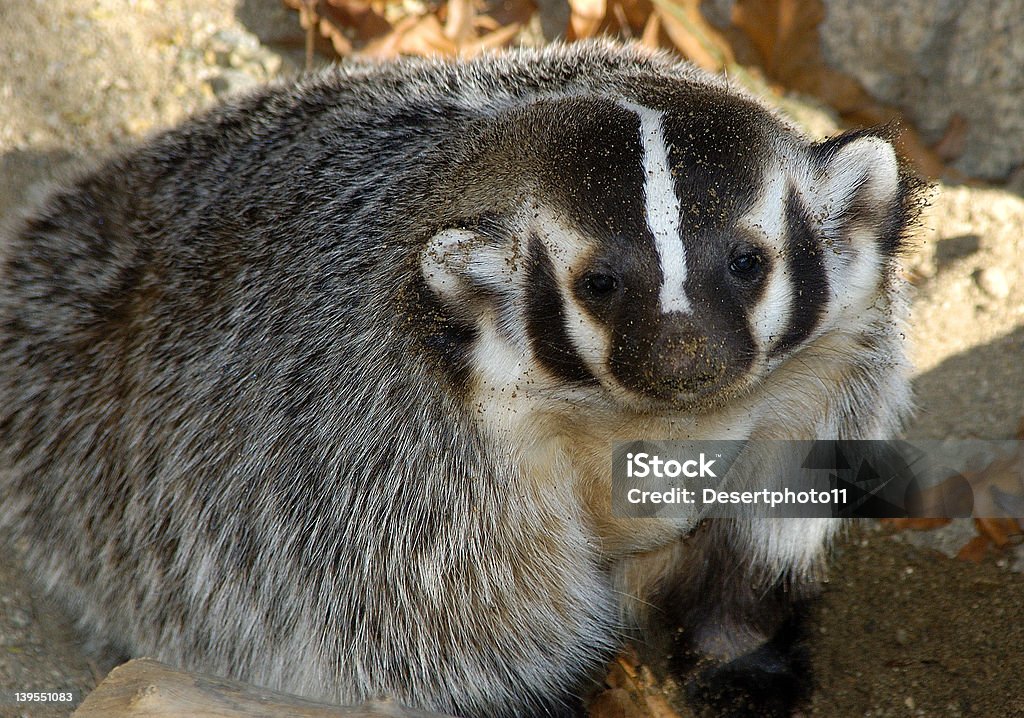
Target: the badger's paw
(771, 681)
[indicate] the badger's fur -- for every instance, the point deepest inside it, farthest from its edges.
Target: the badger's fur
(318, 390)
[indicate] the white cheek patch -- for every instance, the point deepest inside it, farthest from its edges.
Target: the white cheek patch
(865, 170)
(496, 362)
(767, 220)
(663, 210)
(857, 278)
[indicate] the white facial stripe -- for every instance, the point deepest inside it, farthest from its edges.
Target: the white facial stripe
(565, 253)
(662, 207)
(767, 220)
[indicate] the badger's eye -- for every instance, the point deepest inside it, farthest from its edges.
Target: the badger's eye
(745, 265)
(600, 285)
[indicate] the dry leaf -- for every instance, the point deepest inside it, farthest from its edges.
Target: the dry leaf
(499, 38)
(693, 35)
(975, 549)
(411, 36)
(615, 703)
(586, 17)
(622, 20)
(953, 140)
(635, 14)
(785, 33)
(1000, 532)
(999, 485)
(633, 692)
(914, 524)
(502, 13)
(458, 26)
(652, 29)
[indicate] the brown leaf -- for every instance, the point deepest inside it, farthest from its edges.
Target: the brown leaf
(785, 33)
(652, 29)
(974, 550)
(499, 38)
(363, 17)
(333, 29)
(999, 531)
(500, 13)
(953, 496)
(620, 17)
(633, 692)
(692, 35)
(953, 140)
(458, 26)
(999, 486)
(615, 703)
(412, 36)
(914, 524)
(633, 14)
(586, 17)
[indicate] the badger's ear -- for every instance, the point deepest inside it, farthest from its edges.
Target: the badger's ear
(463, 267)
(859, 187)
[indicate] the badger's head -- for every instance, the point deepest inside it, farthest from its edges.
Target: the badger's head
(666, 250)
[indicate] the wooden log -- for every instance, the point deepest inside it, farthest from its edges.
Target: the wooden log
(145, 687)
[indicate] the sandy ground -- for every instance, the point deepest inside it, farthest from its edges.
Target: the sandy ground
(903, 630)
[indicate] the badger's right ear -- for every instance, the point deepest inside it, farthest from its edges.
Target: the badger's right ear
(464, 268)
(859, 186)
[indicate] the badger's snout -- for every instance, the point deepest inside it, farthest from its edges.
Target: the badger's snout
(677, 361)
(689, 360)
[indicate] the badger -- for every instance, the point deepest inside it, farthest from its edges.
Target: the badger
(317, 390)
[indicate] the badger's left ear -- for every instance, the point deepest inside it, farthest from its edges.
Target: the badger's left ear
(465, 268)
(859, 186)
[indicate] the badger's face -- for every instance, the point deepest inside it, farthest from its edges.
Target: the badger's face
(671, 249)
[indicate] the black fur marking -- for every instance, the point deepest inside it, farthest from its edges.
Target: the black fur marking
(723, 590)
(807, 274)
(716, 146)
(769, 682)
(447, 340)
(594, 168)
(545, 320)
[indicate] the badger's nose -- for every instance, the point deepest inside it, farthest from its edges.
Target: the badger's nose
(688, 359)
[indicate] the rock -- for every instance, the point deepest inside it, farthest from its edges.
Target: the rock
(993, 282)
(952, 67)
(228, 82)
(19, 618)
(948, 539)
(941, 62)
(1015, 183)
(1018, 559)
